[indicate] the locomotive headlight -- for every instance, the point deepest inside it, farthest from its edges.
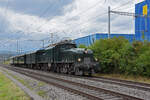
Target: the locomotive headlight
(79, 59)
(96, 59)
(86, 51)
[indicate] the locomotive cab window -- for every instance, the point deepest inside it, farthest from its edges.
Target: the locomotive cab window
(67, 46)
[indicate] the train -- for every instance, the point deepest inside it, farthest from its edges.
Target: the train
(63, 57)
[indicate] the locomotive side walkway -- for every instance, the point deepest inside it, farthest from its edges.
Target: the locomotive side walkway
(32, 95)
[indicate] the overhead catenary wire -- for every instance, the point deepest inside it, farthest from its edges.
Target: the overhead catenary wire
(90, 8)
(126, 13)
(80, 13)
(5, 14)
(93, 18)
(122, 5)
(43, 13)
(83, 24)
(87, 19)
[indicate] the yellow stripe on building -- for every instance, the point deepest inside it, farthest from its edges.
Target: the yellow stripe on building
(145, 10)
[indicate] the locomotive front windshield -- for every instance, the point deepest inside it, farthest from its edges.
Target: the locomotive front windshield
(68, 46)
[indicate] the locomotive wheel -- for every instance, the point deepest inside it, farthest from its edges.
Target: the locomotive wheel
(78, 71)
(61, 70)
(70, 72)
(90, 72)
(64, 69)
(58, 70)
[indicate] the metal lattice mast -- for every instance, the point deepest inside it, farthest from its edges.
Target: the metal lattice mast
(109, 22)
(133, 15)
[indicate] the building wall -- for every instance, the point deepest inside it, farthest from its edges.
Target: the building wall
(142, 23)
(88, 40)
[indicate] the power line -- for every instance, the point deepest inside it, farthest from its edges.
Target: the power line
(45, 11)
(122, 5)
(80, 13)
(128, 14)
(93, 18)
(91, 8)
(5, 12)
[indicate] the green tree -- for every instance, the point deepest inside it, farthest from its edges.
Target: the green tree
(108, 51)
(82, 46)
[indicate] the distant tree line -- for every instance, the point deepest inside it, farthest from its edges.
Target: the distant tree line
(118, 55)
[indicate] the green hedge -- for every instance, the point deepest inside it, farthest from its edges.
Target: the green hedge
(118, 55)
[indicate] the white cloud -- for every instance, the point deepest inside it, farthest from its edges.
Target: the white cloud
(138, 1)
(80, 18)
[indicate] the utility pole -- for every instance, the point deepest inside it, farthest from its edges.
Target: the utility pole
(51, 38)
(134, 15)
(146, 23)
(43, 43)
(108, 22)
(17, 47)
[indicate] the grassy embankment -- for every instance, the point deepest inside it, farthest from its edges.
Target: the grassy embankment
(126, 77)
(7, 62)
(9, 91)
(27, 83)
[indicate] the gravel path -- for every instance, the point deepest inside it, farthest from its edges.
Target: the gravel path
(48, 92)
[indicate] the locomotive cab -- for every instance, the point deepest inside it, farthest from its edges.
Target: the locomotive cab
(84, 62)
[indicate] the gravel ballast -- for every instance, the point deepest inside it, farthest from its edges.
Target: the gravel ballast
(113, 87)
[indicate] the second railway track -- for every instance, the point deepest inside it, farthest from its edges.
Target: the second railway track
(90, 92)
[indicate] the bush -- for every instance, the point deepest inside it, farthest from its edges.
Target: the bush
(118, 55)
(108, 51)
(82, 46)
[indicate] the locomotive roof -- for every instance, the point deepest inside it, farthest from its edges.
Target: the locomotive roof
(48, 47)
(17, 56)
(80, 50)
(23, 54)
(60, 43)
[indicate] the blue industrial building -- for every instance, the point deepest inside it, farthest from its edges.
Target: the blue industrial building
(88, 40)
(142, 21)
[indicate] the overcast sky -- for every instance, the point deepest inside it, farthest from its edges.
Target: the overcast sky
(35, 19)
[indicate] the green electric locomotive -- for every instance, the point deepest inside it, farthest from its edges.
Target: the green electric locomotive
(63, 57)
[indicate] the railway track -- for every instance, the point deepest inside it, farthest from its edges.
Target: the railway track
(131, 84)
(90, 92)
